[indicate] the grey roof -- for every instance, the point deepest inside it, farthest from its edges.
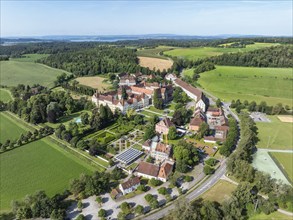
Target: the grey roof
(128, 155)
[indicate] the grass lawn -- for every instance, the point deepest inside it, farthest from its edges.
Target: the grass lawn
(30, 57)
(275, 135)
(27, 73)
(249, 83)
(9, 128)
(203, 52)
(36, 166)
(95, 82)
(272, 216)
(285, 163)
(220, 192)
(5, 95)
(153, 52)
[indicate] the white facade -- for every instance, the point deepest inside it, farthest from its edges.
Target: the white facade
(201, 104)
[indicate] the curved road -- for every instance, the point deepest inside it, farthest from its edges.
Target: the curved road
(193, 194)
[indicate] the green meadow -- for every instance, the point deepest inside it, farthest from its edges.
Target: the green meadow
(285, 161)
(36, 166)
(30, 57)
(203, 52)
(153, 52)
(272, 85)
(5, 95)
(27, 73)
(275, 135)
(9, 128)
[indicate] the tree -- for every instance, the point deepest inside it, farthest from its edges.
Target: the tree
(211, 161)
(138, 119)
(203, 129)
(172, 134)
(80, 217)
(158, 102)
(84, 118)
(79, 205)
(162, 191)
(149, 132)
(58, 214)
(99, 200)
(141, 188)
(124, 93)
(208, 170)
(125, 207)
(218, 103)
(139, 209)
(154, 182)
(102, 213)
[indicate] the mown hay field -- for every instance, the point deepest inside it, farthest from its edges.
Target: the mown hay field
(155, 63)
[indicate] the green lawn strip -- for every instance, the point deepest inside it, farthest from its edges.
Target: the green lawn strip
(285, 163)
(153, 52)
(39, 165)
(275, 135)
(249, 83)
(10, 128)
(5, 95)
(27, 73)
(152, 108)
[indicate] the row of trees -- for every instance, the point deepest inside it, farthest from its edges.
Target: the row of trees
(231, 140)
(261, 107)
(26, 138)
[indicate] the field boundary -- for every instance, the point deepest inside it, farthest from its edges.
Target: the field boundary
(280, 167)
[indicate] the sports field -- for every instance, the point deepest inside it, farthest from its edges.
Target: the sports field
(249, 83)
(275, 135)
(27, 73)
(95, 82)
(36, 166)
(203, 52)
(5, 95)
(9, 128)
(220, 192)
(285, 162)
(30, 57)
(155, 63)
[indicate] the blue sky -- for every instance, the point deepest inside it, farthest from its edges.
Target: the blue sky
(38, 18)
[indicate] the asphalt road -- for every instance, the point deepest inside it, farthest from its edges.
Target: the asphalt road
(192, 195)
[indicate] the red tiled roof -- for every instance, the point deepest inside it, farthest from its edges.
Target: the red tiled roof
(189, 88)
(131, 182)
(165, 170)
(148, 169)
(196, 121)
(162, 148)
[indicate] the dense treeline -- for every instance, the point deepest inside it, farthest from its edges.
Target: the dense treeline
(103, 59)
(48, 106)
(247, 200)
(278, 56)
(231, 140)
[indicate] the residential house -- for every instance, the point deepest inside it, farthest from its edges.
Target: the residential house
(220, 134)
(170, 77)
(130, 185)
(165, 170)
(162, 127)
(195, 123)
(215, 117)
(161, 151)
(127, 80)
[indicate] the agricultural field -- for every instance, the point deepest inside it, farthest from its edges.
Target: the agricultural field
(220, 192)
(9, 128)
(5, 95)
(27, 73)
(30, 57)
(155, 63)
(249, 83)
(154, 52)
(203, 52)
(95, 82)
(285, 161)
(36, 166)
(275, 135)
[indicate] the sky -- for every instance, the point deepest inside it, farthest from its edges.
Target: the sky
(41, 18)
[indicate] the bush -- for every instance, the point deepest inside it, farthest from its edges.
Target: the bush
(162, 191)
(139, 209)
(102, 213)
(149, 197)
(188, 178)
(154, 182)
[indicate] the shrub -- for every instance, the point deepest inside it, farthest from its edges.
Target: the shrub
(102, 213)
(211, 162)
(208, 170)
(162, 191)
(154, 182)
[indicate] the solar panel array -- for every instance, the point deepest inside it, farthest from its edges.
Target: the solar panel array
(128, 155)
